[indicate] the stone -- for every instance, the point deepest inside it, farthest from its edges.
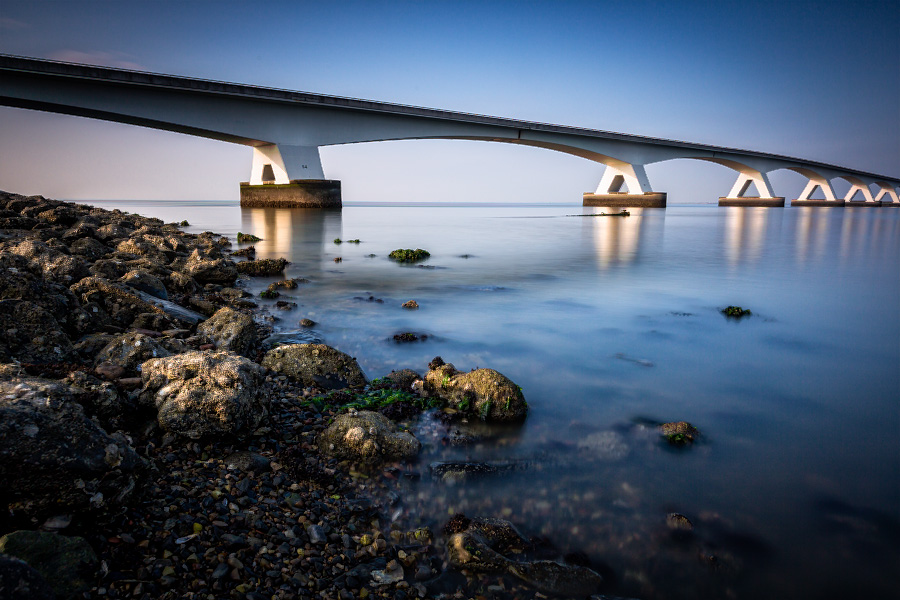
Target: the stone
(53, 458)
(485, 393)
(315, 365)
(111, 231)
(263, 267)
(412, 304)
(210, 270)
(679, 433)
(28, 333)
(89, 249)
(205, 394)
(129, 351)
(50, 264)
(231, 330)
(18, 284)
(402, 379)
(307, 323)
(139, 246)
(61, 560)
(141, 279)
(245, 461)
(120, 302)
(605, 445)
(367, 437)
(20, 581)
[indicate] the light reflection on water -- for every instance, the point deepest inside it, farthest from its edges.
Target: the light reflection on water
(796, 486)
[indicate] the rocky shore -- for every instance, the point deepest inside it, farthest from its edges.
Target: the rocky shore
(150, 446)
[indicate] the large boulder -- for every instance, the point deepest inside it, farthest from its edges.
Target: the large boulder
(53, 458)
(210, 270)
(28, 333)
(50, 264)
(20, 581)
(205, 394)
(120, 302)
(139, 246)
(58, 300)
(90, 249)
(315, 365)
(141, 279)
(130, 350)
(264, 267)
(483, 392)
(231, 330)
(64, 562)
(367, 437)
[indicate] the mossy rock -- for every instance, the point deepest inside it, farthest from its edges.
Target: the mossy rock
(262, 268)
(405, 255)
(315, 365)
(247, 238)
(736, 312)
(485, 393)
(679, 433)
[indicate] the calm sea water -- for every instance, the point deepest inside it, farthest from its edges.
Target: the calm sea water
(609, 324)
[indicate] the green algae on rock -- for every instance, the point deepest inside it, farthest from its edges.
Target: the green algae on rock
(680, 433)
(486, 393)
(405, 255)
(736, 312)
(247, 238)
(263, 267)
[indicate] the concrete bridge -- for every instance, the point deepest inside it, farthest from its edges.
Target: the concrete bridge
(286, 128)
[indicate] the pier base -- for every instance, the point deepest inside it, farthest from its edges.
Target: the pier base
(299, 193)
(751, 201)
(648, 200)
(859, 203)
(817, 203)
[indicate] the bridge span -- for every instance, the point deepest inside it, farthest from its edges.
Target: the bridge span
(286, 129)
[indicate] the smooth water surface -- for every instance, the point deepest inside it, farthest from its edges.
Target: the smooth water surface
(611, 324)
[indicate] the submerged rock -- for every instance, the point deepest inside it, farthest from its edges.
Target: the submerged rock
(203, 394)
(231, 330)
(61, 560)
(315, 364)
(483, 392)
(55, 459)
(680, 433)
(367, 437)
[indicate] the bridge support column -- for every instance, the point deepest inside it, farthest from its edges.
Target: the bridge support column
(745, 177)
(857, 185)
(887, 191)
(634, 179)
(817, 181)
(287, 176)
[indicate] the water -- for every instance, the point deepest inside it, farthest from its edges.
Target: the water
(612, 323)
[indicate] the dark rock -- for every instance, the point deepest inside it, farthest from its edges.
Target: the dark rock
(262, 268)
(248, 461)
(402, 379)
(108, 268)
(90, 249)
(142, 280)
(31, 334)
(120, 302)
(210, 270)
(679, 433)
(19, 581)
(111, 232)
(129, 351)
(231, 330)
(53, 458)
(307, 323)
(200, 394)
(64, 562)
(315, 364)
(50, 264)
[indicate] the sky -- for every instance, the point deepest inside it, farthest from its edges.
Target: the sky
(812, 79)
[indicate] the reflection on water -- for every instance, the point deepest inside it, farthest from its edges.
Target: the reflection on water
(617, 240)
(298, 234)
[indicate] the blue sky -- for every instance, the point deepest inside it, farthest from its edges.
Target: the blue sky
(818, 80)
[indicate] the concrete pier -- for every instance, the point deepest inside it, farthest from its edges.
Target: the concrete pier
(861, 203)
(620, 200)
(799, 202)
(299, 193)
(779, 201)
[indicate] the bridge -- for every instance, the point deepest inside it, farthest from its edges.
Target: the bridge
(286, 129)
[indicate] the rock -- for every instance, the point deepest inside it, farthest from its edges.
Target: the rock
(109, 371)
(551, 577)
(211, 270)
(141, 279)
(315, 364)
(108, 268)
(307, 323)
(605, 445)
(262, 268)
(367, 437)
(111, 232)
(679, 433)
(129, 351)
(120, 302)
(200, 394)
(139, 246)
(402, 379)
(248, 461)
(231, 330)
(28, 333)
(19, 581)
(102, 400)
(392, 573)
(50, 264)
(410, 304)
(62, 561)
(678, 522)
(53, 458)
(286, 338)
(181, 283)
(89, 248)
(174, 311)
(482, 392)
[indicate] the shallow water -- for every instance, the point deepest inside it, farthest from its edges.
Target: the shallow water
(611, 323)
